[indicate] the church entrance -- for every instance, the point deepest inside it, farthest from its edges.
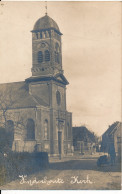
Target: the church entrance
(60, 143)
(60, 137)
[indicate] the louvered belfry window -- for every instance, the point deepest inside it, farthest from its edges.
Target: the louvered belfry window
(57, 60)
(40, 57)
(47, 55)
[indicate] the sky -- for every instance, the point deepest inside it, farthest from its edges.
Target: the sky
(91, 52)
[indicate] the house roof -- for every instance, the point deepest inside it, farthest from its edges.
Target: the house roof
(112, 128)
(17, 95)
(119, 125)
(82, 134)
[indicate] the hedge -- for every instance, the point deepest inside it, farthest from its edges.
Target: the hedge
(14, 164)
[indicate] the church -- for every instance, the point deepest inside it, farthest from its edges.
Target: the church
(37, 114)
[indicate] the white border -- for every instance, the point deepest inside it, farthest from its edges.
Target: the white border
(60, 191)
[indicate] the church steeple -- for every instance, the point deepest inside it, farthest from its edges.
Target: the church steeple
(46, 48)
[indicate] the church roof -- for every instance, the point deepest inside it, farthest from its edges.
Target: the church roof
(44, 23)
(17, 95)
(60, 78)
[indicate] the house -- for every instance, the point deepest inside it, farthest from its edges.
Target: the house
(113, 135)
(84, 141)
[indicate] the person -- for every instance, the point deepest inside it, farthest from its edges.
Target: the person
(112, 153)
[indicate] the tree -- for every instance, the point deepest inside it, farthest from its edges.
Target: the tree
(10, 123)
(6, 102)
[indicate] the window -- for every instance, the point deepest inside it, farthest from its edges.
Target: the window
(40, 57)
(68, 131)
(57, 47)
(47, 55)
(37, 35)
(40, 35)
(30, 127)
(58, 58)
(57, 53)
(58, 97)
(46, 135)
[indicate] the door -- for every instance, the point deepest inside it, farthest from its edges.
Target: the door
(59, 143)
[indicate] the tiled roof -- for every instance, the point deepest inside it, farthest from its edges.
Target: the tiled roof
(112, 128)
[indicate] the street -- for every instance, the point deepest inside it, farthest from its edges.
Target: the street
(71, 174)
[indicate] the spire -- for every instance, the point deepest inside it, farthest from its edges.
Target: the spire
(46, 7)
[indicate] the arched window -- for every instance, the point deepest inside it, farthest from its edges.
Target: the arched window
(37, 35)
(57, 58)
(41, 35)
(47, 55)
(57, 47)
(40, 57)
(46, 132)
(58, 97)
(30, 127)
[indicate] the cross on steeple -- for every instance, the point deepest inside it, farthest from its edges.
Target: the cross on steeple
(46, 7)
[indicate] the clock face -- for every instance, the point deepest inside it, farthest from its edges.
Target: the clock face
(58, 97)
(43, 45)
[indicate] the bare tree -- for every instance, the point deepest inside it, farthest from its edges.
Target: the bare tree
(6, 102)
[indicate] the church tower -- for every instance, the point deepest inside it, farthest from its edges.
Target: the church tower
(47, 86)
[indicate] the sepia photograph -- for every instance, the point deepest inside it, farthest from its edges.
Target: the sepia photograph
(60, 95)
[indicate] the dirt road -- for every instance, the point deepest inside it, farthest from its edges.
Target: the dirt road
(71, 174)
